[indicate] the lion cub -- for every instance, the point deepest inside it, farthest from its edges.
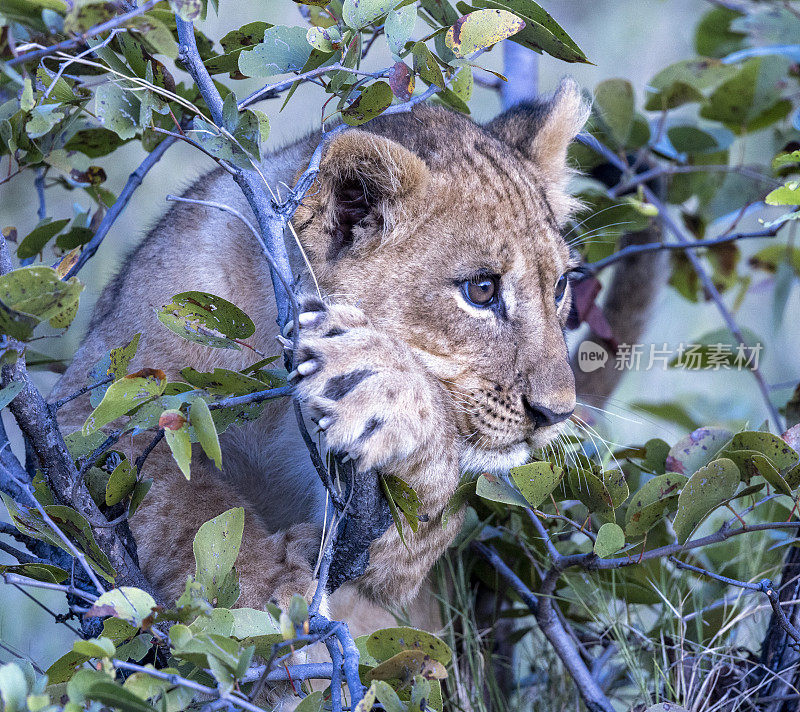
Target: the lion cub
(439, 346)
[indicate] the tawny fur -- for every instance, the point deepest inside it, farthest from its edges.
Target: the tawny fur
(447, 199)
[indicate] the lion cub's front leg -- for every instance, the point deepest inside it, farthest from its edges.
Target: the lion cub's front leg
(379, 406)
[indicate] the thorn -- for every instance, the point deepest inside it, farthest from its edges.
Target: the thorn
(325, 422)
(293, 375)
(288, 328)
(284, 341)
(346, 458)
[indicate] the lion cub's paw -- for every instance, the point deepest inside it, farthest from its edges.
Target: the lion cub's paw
(366, 390)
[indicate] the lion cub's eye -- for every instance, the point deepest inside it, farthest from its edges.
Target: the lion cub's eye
(481, 291)
(561, 287)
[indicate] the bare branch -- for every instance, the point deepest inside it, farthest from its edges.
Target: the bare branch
(631, 250)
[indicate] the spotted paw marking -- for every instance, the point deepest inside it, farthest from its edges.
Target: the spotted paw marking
(367, 392)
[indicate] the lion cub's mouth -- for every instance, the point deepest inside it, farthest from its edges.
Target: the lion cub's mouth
(494, 460)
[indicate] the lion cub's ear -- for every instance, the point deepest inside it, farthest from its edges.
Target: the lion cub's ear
(542, 131)
(362, 183)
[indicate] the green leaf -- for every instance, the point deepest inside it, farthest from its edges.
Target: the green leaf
(686, 82)
(120, 483)
(388, 697)
(373, 101)
(610, 539)
(216, 547)
(405, 498)
(10, 392)
(481, 29)
(315, 702)
(495, 489)
(399, 26)
(360, 13)
(176, 433)
(206, 319)
(203, 424)
(405, 665)
(713, 35)
(751, 99)
(426, 66)
(284, 49)
(696, 449)
(388, 642)
(590, 489)
(706, 489)
(118, 109)
(649, 504)
(32, 294)
(124, 395)
(787, 194)
(95, 648)
(115, 364)
(537, 480)
(38, 572)
(614, 102)
(70, 523)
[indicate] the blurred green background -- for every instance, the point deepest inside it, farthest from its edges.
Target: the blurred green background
(633, 39)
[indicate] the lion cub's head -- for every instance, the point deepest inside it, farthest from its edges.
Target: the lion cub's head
(448, 235)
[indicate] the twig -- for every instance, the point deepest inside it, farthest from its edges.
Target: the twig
(71, 590)
(273, 90)
(183, 137)
(134, 181)
(625, 252)
(80, 39)
(659, 171)
(59, 403)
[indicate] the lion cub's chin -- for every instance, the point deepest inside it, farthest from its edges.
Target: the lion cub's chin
(497, 461)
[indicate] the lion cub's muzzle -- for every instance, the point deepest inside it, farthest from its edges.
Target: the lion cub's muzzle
(541, 416)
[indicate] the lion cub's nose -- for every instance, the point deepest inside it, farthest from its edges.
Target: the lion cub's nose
(541, 416)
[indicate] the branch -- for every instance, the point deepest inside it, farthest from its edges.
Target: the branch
(134, 181)
(631, 250)
(659, 171)
(705, 279)
(553, 629)
(80, 39)
(271, 91)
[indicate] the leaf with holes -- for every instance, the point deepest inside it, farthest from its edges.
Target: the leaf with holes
(706, 489)
(537, 480)
(407, 663)
(656, 497)
(206, 319)
(386, 643)
(373, 101)
(284, 49)
(481, 29)
(405, 498)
